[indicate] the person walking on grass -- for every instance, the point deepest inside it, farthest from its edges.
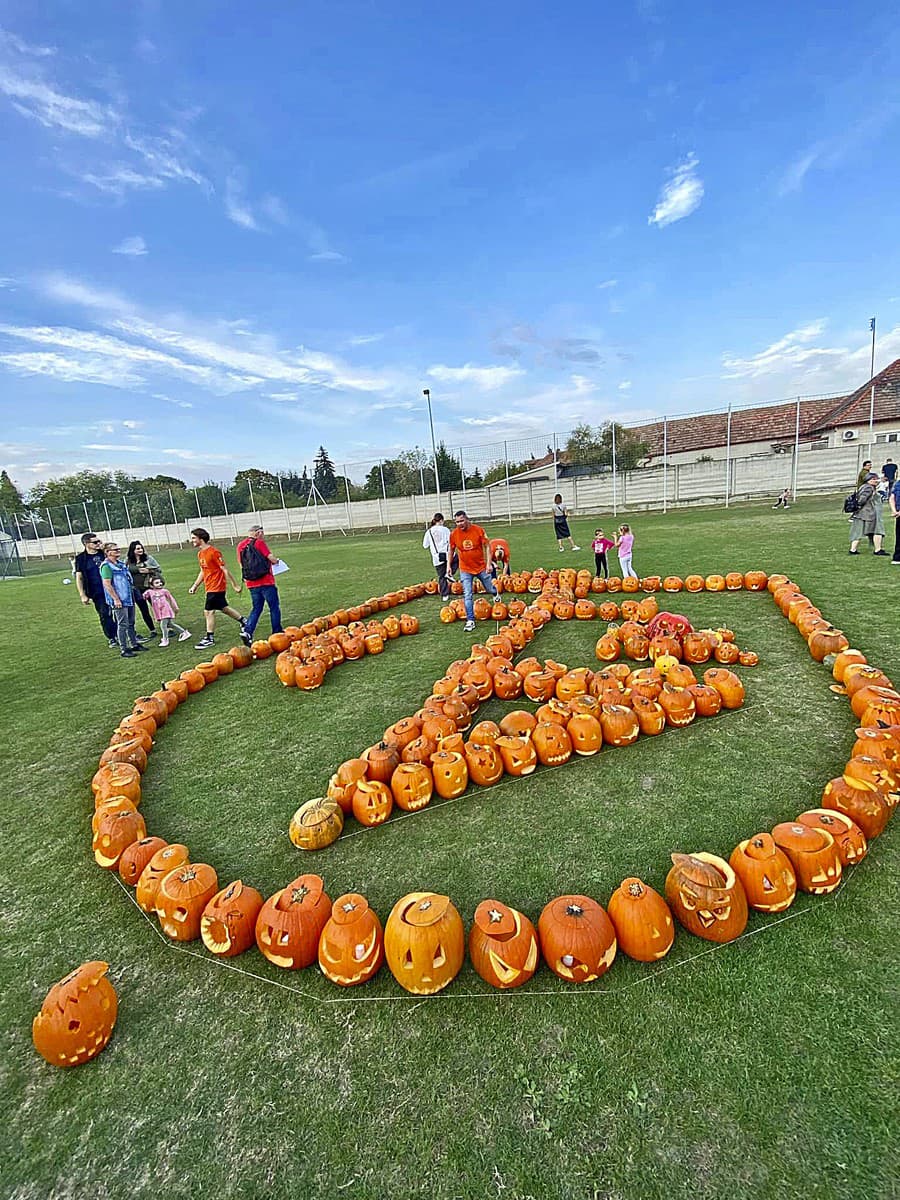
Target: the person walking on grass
(473, 550)
(437, 542)
(142, 565)
(499, 553)
(256, 561)
(864, 519)
(164, 607)
(889, 471)
(120, 598)
(894, 501)
(600, 545)
(624, 549)
(90, 585)
(561, 524)
(215, 576)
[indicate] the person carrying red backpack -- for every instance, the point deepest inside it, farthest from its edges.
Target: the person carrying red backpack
(256, 561)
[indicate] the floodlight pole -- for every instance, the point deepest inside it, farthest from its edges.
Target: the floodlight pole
(426, 392)
(796, 453)
(665, 464)
(872, 392)
(728, 459)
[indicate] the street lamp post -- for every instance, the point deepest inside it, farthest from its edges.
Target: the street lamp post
(872, 391)
(426, 392)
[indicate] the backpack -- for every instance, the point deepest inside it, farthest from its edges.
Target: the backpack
(851, 503)
(254, 564)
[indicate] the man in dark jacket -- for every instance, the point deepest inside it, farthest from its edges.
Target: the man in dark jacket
(90, 585)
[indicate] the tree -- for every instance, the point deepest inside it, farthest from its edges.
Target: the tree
(497, 471)
(260, 481)
(474, 480)
(10, 497)
(448, 469)
(585, 448)
(323, 475)
(589, 447)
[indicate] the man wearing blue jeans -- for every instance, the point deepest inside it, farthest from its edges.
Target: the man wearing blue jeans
(260, 582)
(472, 548)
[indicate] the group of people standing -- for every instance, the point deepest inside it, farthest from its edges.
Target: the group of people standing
(117, 588)
(873, 491)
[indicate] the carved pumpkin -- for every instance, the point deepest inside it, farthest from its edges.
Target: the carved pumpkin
(316, 824)
(126, 752)
(578, 940)
(162, 862)
(862, 803)
(117, 779)
(424, 942)
(585, 733)
(372, 802)
(228, 923)
(351, 946)
(290, 923)
(642, 921)
(182, 896)
(678, 705)
(827, 641)
(518, 754)
(208, 670)
(844, 659)
(714, 583)
(115, 832)
(650, 714)
(673, 583)
(693, 583)
(77, 1017)
(503, 945)
(877, 773)
(706, 896)
(607, 648)
(620, 725)
(451, 775)
(136, 856)
(382, 761)
(727, 653)
(707, 700)
(518, 723)
(419, 750)
(484, 732)
(813, 854)
(849, 839)
(241, 656)
(552, 743)
(876, 742)
(343, 782)
(734, 581)
(485, 766)
(412, 786)
(755, 581)
(540, 685)
(765, 872)
(727, 684)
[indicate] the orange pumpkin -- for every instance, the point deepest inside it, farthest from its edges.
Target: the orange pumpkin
(865, 805)
(518, 754)
(162, 862)
(291, 921)
(228, 923)
(503, 945)
(813, 854)
(115, 832)
(182, 896)
(578, 940)
(451, 775)
(484, 763)
(343, 782)
(552, 743)
(586, 734)
(117, 779)
(77, 1017)
(424, 942)
(351, 946)
(727, 684)
(372, 802)
(642, 921)
(136, 856)
(706, 896)
(620, 725)
(412, 786)
(765, 872)
(849, 839)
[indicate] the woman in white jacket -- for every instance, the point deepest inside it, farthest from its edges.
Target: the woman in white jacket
(437, 541)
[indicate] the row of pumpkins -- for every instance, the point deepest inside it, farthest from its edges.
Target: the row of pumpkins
(579, 711)
(582, 583)
(708, 896)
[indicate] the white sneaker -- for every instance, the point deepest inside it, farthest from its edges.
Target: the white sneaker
(576, 547)
(469, 627)
(184, 635)
(562, 549)
(163, 642)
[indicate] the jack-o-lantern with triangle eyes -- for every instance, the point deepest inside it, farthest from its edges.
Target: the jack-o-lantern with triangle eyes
(578, 940)
(850, 840)
(412, 786)
(77, 1017)
(765, 872)
(706, 896)
(290, 923)
(503, 945)
(552, 743)
(518, 754)
(641, 918)
(351, 947)
(861, 802)
(813, 854)
(373, 802)
(424, 942)
(228, 924)
(484, 763)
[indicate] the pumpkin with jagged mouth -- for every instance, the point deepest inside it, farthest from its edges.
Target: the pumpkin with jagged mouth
(503, 945)
(351, 948)
(578, 940)
(706, 896)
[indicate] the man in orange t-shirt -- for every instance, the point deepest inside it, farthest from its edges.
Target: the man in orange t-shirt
(213, 575)
(473, 551)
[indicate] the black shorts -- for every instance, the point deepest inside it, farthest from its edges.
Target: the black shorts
(214, 601)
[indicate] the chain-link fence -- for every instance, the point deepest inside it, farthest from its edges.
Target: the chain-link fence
(740, 453)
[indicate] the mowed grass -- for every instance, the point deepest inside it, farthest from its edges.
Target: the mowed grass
(763, 1068)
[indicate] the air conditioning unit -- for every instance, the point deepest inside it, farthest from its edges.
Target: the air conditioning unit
(849, 435)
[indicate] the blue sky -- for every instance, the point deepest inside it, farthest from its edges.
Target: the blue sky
(234, 232)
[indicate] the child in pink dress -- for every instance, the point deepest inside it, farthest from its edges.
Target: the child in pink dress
(164, 607)
(624, 546)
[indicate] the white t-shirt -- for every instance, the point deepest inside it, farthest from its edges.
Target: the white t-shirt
(437, 540)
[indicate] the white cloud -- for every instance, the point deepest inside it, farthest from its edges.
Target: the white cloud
(7, 283)
(484, 379)
(172, 400)
(41, 102)
(66, 369)
(792, 350)
(131, 247)
(607, 283)
(625, 385)
(11, 41)
(236, 207)
(830, 153)
(118, 446)
(680, 196)
(132, 424)
(365, 339)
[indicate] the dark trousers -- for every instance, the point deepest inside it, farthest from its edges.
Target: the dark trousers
(443, 581)
(896, 554)
(144, 609)
(107, 620)
(601, 566)
(266, 593)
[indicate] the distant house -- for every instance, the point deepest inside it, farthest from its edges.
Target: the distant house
(839, 420)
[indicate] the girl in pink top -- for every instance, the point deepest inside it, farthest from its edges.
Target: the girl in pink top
(624, 544)
(164, 607)
(600, 545)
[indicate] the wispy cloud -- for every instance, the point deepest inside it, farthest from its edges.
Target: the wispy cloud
(793, 350)
(365, 339)
(236, 207)
(68, 369)
(176, 400)
(131, 247)
(625, 385)
(681, 194)
(830, 153)
(41, 102)
(483, 379)
(12, 42)
(607, 283)
(7, 283)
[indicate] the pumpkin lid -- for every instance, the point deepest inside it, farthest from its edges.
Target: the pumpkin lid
(348, 908)
(495, 919)
(305, 891)
(423, 908)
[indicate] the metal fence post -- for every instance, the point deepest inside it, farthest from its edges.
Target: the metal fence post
(728, 459)
(796, 452)
(347, 495)
(665, 463)
(197, 501)
(152, 519)
(253, 509)
(384, 494)
(508, 500)
(106, 514)
(53, 534)
(37, 537)
(87, 519)
(615, 489)
(555, 454)
(69, 523)
(172, 502)
(127, 515)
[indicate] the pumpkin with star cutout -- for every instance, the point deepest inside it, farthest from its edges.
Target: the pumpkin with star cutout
(351, 946)
(503, 945)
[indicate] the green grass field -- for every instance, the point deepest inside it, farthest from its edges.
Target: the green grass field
(765, 1068)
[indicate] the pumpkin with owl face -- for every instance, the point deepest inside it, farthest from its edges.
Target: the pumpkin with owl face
(424, 942)
(503, 945)
(706, 896)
